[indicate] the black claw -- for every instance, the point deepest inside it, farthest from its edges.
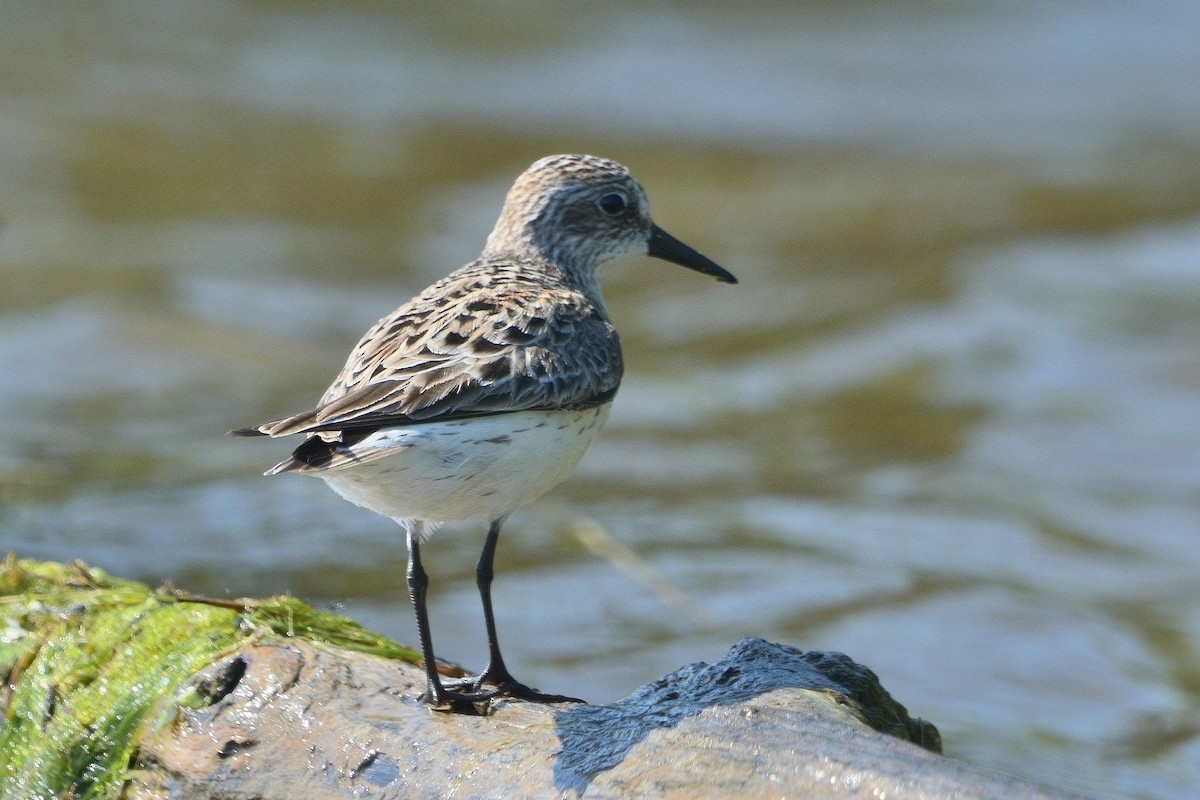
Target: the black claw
(459, 703)
(522, 692)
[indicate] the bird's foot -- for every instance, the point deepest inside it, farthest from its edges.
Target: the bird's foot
(470, 691)
(451, 701)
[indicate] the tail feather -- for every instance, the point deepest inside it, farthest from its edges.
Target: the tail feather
(288, 465)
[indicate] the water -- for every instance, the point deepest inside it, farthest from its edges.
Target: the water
(948, 423)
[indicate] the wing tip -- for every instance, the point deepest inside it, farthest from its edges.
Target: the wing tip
(254, 430)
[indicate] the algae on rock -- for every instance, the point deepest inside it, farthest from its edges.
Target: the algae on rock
(90, 663)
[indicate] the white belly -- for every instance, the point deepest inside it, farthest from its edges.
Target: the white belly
(484, 467)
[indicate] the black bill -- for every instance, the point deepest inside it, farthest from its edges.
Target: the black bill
(665, 246)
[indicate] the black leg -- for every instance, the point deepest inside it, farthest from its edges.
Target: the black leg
(496, 673)
(418, 584)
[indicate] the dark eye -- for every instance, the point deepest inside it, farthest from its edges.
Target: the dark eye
(613, 204)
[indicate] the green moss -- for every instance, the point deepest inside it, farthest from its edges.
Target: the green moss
(86, 659)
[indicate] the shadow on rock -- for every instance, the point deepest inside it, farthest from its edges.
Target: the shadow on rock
(597, 738)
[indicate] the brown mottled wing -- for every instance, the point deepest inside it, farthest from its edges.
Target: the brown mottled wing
(454, 351)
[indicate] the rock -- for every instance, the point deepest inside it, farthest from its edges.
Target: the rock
(112, 689)
(298, 721)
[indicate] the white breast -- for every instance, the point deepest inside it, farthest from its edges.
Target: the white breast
(484, 467)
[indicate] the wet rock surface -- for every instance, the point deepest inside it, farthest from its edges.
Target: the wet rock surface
(302, 721)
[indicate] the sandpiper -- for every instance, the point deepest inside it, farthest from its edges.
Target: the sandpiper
(478, 395)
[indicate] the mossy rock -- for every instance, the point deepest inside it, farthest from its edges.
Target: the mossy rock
(90, 663)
